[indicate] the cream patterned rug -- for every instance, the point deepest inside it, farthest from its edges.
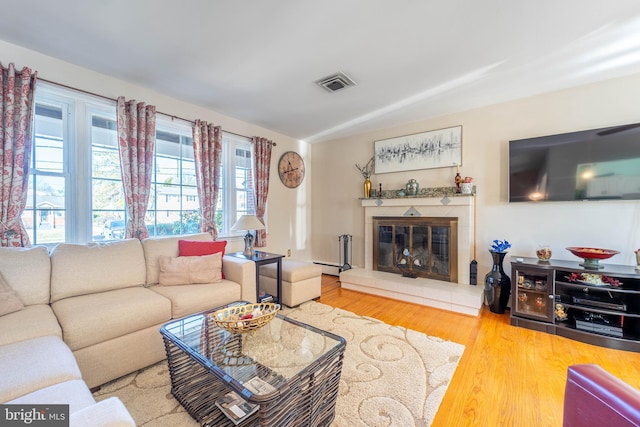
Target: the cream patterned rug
(391, 376)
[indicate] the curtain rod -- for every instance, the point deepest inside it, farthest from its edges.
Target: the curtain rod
(115, 100)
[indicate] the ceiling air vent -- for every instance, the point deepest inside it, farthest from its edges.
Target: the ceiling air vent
(335, 82)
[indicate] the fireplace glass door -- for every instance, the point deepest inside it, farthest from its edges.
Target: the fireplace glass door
(422, 247)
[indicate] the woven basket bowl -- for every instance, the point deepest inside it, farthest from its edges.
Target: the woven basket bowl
(231, 318)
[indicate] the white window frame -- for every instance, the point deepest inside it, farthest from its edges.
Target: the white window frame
(78, 110)
(229, 197)
(184, 130)
(65, 105)
(107, 110)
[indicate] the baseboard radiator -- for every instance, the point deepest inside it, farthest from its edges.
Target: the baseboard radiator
(329, 268)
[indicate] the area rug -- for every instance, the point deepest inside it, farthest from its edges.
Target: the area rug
(391, 376)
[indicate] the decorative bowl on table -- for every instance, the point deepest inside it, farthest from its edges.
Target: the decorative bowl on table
(245, 318)
(592, 256)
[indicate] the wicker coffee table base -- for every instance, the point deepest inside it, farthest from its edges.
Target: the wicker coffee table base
(307, 399)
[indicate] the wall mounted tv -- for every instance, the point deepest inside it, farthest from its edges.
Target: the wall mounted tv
(593, 164)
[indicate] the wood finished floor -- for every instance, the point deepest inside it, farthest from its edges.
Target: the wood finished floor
(507, 376)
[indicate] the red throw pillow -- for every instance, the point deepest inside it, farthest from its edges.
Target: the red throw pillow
(201, 247)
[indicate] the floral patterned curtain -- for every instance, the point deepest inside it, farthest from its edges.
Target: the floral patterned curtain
(262, 161)
(136, 142)
(16, 126)
(207, 148)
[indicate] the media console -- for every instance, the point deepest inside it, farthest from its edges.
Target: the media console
(599, 307)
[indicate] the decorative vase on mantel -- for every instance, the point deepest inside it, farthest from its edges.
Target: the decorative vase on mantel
(412, 187)
(367, 188)
(497, 285)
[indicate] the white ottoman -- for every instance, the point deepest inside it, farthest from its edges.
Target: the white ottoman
(301, 281)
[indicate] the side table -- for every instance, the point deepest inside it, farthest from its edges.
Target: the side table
(262, 258)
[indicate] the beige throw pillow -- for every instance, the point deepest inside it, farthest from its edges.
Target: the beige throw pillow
(187, 270)
(9, 301)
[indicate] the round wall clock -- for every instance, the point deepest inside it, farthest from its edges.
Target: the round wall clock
(291, 169)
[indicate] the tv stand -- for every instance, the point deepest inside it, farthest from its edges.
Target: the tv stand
(599, 307)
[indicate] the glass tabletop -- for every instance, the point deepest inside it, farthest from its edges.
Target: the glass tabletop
(277, 353)
(258, 256)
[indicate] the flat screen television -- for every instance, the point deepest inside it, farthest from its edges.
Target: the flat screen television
(593, 164)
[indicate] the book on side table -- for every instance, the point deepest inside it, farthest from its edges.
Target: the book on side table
(264, 297)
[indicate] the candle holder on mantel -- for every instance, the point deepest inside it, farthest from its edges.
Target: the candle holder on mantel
(457, 180)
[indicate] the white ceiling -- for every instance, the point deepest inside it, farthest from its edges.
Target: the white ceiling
(411, 59)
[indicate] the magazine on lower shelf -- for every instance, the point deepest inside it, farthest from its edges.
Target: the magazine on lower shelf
(236, 408)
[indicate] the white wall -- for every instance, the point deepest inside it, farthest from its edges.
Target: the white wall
(337, 184)
(333, 184)
(288, 211)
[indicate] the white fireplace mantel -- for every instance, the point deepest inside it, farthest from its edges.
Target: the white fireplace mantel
(460, 207)
(461, 296)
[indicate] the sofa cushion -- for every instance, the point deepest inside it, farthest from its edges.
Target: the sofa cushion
(199, 248)
(96, 267)
(28, 272)
(30, 365)
(94, 318)
(74, 393)
(107, 413)
(9, 301)
(108, 360)
(187, 270)
(190, 299)
(164, 246)
(33, 321)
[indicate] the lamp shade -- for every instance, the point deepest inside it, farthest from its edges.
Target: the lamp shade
(248, 222)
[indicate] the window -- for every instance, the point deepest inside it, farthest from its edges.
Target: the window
(45, 214)
(75, 185)
(107, 196)
(174, 204)
(237, 198)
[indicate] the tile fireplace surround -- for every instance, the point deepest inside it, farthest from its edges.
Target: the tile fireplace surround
(458, 297)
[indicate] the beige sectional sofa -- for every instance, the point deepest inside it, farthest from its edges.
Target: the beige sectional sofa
(43, 371)
(103, 302)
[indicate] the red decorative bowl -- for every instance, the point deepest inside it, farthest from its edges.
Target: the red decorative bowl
(592, 253)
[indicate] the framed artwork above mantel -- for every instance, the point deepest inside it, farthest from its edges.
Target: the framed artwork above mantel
(426, 150)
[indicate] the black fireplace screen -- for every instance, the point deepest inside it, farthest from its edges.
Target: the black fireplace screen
(416, 246)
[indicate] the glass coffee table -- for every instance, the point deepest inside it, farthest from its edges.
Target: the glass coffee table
(285, 373)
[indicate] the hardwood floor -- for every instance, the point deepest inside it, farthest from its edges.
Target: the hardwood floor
(507, 376)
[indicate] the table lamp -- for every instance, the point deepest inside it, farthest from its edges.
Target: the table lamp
(248, 222)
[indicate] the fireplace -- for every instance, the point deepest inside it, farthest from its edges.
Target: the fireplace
(443, 205)
(416, 246)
